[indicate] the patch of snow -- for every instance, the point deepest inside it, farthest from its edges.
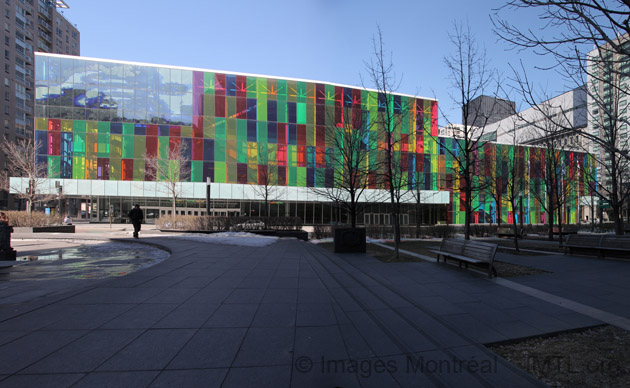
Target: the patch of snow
(230, 238)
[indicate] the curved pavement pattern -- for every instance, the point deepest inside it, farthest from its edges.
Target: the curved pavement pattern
(288, 314)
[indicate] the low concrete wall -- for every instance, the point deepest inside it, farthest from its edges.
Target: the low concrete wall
(45, 229)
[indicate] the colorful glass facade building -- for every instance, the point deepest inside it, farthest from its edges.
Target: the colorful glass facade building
(97, 121)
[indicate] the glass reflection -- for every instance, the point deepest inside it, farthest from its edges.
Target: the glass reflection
(103, 91)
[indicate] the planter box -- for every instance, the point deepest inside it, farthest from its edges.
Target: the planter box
(350, 240)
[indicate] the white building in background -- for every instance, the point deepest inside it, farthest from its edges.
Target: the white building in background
(532, 126)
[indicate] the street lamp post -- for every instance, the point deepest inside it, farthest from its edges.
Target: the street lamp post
(208, 181)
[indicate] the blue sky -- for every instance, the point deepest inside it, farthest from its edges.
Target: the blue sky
(324, 40)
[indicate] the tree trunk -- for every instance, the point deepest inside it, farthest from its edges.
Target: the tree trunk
(514, 225)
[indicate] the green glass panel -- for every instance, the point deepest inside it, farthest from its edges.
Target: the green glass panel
(219, 171)
(208, 83)
(115, 146)
(103, 127)
(261, 88)
(91, 126)
(139, 147)
(231, 129)
(310, 135)
(282, 112)
(78, 167)
(138, 170)
(219, 128)
(301, 92)
(301, 176)
(330, 95)
(261, 109)
(208, 127)
(127, 149)
(252, 174)
(293, 176)
(115, 171)
(231, 106)
(41, 124)
(91, 166)
(54, 166)
(78, 126)
(91, 145)
(103, 146)
(208, 104)
(263, 153)
(251, 87)
(66, 125)
(196, 171)
(232, 172)
(252, 153)
(128, 129)
(301, 113)
(282, 90)
(241, 151)
(272, 154)
(310, 113)
(186, 131)
(291, 91)
(261, 132)
(230, 152)
(292, 155)
(163, 147)
(78, 144)
(219, 151)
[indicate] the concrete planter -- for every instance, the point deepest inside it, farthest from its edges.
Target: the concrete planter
(350, 240)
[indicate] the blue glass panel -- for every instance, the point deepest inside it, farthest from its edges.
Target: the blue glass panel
(140, 129)
(230, 87)
(251, 109)
(251, 130)
(292, 112)
(116, 128)
(208, 150)
(292, 130)
(272, 110)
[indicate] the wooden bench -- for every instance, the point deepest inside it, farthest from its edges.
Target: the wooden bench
(508, 231)
(599, 243)
(566, 229)
(467, 251)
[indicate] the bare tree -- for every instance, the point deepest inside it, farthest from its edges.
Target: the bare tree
(351, 143)
(588, 42)
(169, 170)
(266, 189)
(471, 77)
(381, 75)
(22, 162)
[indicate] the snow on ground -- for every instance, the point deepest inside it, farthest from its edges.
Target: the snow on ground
(230, 238)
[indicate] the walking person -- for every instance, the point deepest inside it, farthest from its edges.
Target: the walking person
(136, 216)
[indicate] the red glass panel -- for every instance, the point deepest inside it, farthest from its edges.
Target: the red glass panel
(198, 126)
(54, 125)
(152, 130)
(173, 144)
(321, 157)
(175, 131)
(338, 96)
(151, 144)
(301, 156)
(241, 107)
(103, 169)
(282, 133)
(263, 177)
(127, 169)
(320, 136)
(282, 155)
(301, 134)
(219, 84)
(282, 176)
(197, 151)
(54, 143)
(219, 106)
(241, 86)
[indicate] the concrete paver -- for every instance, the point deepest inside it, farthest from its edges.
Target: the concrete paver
(289, 313)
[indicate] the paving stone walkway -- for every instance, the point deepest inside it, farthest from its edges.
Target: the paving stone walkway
(288, 314)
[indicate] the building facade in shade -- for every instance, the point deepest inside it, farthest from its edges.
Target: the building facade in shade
(97, 121)
(29, 25)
